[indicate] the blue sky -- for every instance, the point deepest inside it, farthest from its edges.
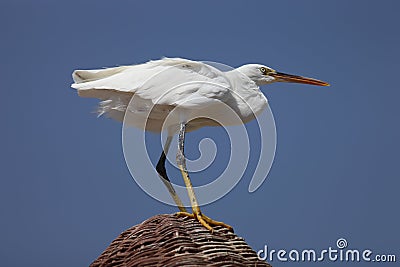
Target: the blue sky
(65, 191)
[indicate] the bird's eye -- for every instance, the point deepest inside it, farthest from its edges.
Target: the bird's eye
(263, 70)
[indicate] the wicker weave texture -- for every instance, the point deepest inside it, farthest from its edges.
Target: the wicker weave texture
(167, 240)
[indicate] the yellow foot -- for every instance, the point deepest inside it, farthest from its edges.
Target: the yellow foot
(204, 220)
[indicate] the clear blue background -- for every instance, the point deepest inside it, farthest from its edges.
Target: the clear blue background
(65, 191)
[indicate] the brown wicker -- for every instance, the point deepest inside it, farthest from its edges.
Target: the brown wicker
(167, 240)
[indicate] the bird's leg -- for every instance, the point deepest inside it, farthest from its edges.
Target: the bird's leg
(162, 172)
(180, 158)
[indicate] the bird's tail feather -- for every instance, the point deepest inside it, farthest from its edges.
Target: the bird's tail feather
(82, 76)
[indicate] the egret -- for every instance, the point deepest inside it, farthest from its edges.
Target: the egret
(197, 92)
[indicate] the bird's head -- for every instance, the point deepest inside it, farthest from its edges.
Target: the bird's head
(261, 75)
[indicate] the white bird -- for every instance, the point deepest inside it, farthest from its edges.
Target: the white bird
(181, 95)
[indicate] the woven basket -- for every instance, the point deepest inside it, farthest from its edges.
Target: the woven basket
(168, 240)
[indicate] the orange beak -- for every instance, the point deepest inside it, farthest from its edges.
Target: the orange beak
(283, 77)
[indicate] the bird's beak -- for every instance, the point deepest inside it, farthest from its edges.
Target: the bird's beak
(283, 77)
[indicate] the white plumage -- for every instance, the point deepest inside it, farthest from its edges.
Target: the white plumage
(195, 88)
